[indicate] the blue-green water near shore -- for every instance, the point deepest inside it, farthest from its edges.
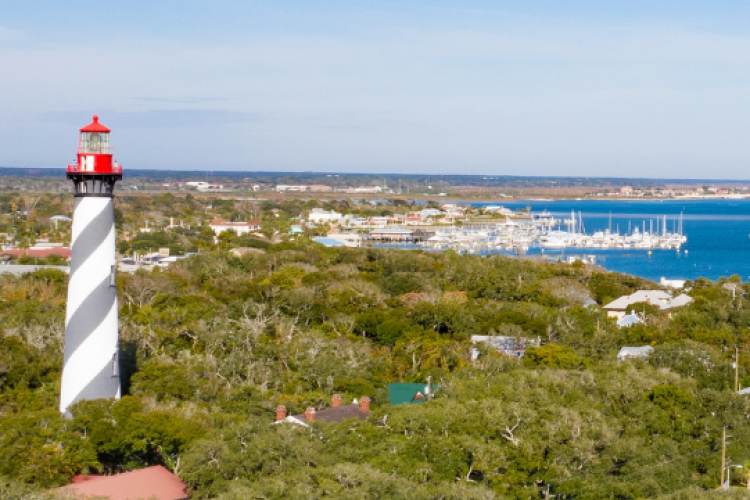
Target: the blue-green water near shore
(718, 235)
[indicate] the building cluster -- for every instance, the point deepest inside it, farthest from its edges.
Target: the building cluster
(447, 214)
(322, 188)
(674, 192)
(213, 187)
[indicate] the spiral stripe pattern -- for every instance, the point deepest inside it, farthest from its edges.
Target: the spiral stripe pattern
(90, 369)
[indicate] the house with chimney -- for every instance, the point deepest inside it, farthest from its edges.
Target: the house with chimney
(336, 413)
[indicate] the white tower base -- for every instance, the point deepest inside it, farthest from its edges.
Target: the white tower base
(91, 364)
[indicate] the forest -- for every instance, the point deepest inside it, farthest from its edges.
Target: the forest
(214, 343)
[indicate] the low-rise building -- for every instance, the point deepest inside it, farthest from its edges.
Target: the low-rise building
(391, 234)
(320, 216)
(350, 220)
(364, 189)
(677, 284)
(618, 307)
(336, 413)
(220, 225)
(205, 186)
(295, 188)
(39, 253)
(634, 352)
(629, 320)
(320, 188)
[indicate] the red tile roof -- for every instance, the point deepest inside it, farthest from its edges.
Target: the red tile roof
(151, 482)
(39, 252)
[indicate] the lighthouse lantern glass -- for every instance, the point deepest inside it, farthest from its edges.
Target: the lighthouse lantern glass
(95, 142)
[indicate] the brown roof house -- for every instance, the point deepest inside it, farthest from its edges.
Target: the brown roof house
(337, 412)
(150, 483)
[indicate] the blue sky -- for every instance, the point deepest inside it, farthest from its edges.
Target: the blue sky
(650, 89)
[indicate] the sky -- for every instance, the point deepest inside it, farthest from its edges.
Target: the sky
(575, 88)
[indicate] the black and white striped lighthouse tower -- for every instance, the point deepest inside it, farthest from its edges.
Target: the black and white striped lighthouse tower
(91, 364)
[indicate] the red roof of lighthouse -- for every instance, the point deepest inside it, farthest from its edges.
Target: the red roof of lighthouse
(95, 126)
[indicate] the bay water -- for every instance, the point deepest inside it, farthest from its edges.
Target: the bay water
(718, 235)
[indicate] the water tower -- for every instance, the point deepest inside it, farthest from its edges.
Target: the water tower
(91, 365)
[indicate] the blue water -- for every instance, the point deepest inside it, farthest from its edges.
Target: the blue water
(718, 235)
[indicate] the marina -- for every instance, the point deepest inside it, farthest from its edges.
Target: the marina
(716, 236)
(544, 231)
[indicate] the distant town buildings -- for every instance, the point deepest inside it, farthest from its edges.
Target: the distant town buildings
(322, 188)
(205, 187)
(428, 216)
(220, 225)
(285, 187)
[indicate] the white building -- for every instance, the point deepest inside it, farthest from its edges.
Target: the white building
(320, 216)
(678, 284)
(634, 352)
(618, 307)
(204, 186)
(220, 225)
(363, 189)
(431, 212)
(497, 209)
(285, 187)
(353, 221)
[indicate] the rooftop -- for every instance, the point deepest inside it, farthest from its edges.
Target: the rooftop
(222, 222)
(338, 414)
(655, 297)
(152, 482)
(95, 126)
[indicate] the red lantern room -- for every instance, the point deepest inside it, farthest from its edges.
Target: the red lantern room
(95, 173)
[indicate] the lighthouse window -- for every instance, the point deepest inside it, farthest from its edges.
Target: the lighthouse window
(95, 142)
(113, 275)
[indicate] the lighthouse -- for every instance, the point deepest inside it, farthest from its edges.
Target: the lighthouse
(91, 365)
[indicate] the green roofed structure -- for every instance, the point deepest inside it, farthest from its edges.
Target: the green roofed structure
(402, 393)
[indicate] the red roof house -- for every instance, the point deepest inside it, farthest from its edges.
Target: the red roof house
(149, 483)
(39, 252)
